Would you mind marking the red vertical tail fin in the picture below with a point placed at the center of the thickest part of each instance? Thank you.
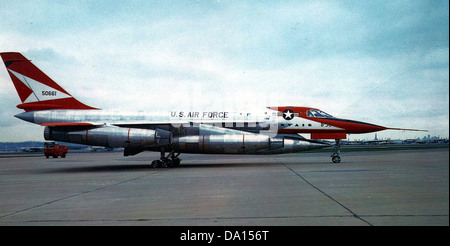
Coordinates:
(36, 90)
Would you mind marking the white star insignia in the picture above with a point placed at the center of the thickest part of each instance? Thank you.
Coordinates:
(288, 114)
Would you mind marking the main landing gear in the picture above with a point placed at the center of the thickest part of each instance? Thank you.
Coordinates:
(335, 156)
(171, 160)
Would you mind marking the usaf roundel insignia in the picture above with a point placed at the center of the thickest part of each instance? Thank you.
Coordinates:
(288, 114)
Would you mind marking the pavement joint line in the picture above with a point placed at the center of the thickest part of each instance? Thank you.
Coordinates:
(74, 195)
(324, 193)
(217, 218)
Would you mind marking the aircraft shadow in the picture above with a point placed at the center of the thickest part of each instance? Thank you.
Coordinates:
(244, 164)
(102, 168)
(147, 167)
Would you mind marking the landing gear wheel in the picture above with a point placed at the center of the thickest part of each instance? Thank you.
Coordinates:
(155, 164)
(337, 150)
(171, 160)
(165, 163)
(336, 159)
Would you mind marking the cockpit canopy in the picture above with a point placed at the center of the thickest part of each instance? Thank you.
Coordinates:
(318, 114)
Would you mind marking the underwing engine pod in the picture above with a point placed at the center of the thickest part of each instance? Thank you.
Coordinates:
(111, 137)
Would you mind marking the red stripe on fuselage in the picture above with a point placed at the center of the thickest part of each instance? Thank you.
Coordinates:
(349, 126)
(344, 125)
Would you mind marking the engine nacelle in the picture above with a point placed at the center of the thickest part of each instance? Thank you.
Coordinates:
(243, 144)
(222, 144)
(111, 136)
(293, 145)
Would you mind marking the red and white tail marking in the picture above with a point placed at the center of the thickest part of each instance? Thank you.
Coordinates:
(36, 90)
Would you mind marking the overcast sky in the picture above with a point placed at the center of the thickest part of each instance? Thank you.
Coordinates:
(383, 62)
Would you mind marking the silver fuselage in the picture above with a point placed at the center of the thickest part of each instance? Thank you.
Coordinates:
(220, 132)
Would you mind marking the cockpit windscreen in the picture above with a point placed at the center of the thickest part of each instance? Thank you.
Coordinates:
(318, 114)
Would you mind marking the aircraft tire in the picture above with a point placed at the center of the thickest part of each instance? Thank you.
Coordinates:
(155, 164)
(164, 164)
(336, 159)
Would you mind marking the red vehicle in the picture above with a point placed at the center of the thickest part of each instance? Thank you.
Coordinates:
(55, 150)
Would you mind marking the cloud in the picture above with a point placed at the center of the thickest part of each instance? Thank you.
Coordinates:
(372, 61)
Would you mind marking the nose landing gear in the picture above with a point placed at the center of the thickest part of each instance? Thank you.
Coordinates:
(335, 156)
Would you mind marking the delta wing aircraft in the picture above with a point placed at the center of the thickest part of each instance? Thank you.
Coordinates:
(271, 130)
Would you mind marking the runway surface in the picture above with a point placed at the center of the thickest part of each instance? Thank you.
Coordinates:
(404, 187)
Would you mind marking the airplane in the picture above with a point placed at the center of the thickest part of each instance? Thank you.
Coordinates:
(270, 130)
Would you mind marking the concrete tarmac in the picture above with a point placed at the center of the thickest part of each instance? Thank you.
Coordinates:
(380, 188)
